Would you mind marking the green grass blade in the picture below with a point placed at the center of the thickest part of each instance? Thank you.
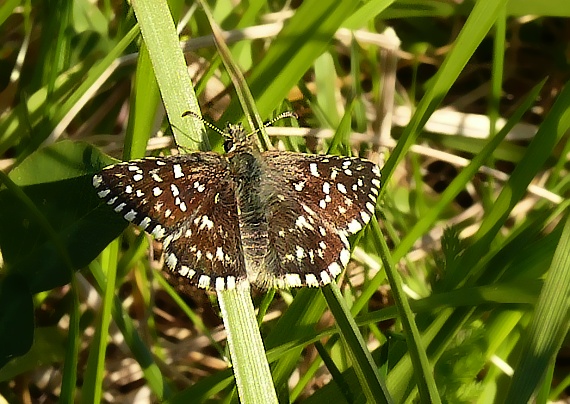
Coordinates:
(473, 32)
(303, 38)
(463, 178)
(249, 362)
(549, 325)
(421, 366)
(161, 39)
(370, 380)
(555, 125)
(133, 340)
(143, 108)
(93, 381)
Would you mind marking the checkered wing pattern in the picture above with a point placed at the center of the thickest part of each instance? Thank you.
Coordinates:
(314, 203)
(277, 219)
(188, 201)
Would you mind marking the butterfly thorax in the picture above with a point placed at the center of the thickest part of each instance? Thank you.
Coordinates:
(247, 171)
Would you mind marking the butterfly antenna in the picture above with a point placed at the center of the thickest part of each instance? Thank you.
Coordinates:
(282, 115)
(205, 122)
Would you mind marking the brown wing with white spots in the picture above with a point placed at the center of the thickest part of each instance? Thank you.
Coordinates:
(325, 199)
(188, 201)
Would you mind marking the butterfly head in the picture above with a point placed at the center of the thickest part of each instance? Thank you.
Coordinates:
(235, 138)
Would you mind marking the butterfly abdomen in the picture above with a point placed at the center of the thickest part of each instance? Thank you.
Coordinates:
(253, 225)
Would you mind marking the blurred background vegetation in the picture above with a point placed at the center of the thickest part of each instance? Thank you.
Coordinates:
(464, 105)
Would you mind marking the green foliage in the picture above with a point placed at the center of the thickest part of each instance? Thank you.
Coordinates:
(443, 301)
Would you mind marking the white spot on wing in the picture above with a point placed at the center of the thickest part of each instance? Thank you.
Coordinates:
(145, 222)
(97, 180)
(103, 194)
(354, 226)
(171, 261)
(167, 241)
(341, 188)
(314, 171)
(158, 232)
(335, 269)
(204, 281)
(308, 210)
(199, 187)
(325, 277)
(293, 280)
(302, 222)
(219, 254)
(206, 222)
(178, 171)
(137, 177)
(311, 280)
(130, 215)
(344, 257)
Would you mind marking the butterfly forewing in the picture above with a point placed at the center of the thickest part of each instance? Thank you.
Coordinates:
(342, 190)
(188, 201)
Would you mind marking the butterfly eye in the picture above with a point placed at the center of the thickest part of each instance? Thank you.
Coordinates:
(228, 144)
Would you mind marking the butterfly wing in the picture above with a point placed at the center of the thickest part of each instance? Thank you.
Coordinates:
(188, 201)
(314, 203)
